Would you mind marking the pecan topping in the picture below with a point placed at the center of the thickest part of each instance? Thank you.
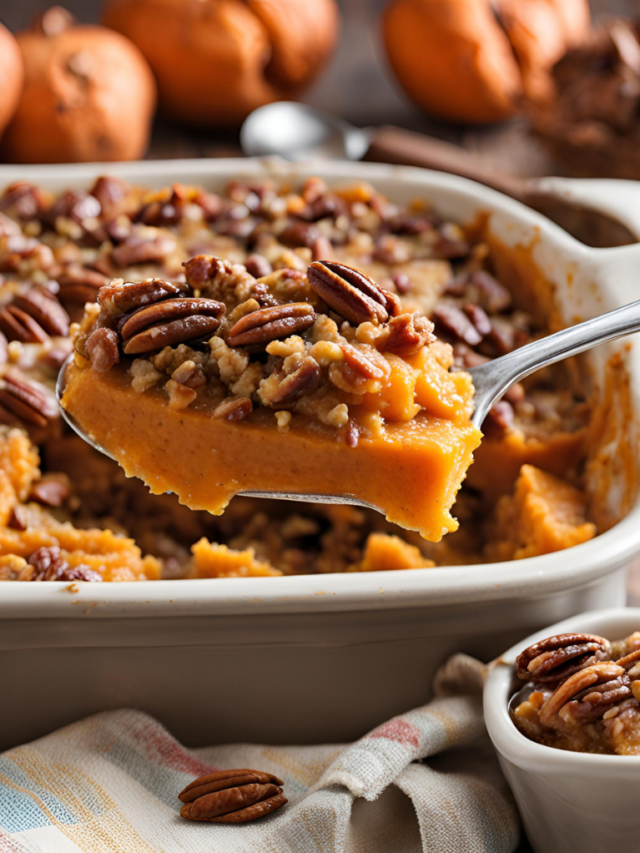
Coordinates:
(361, 364)
(258, 266)
(304, 379)
(233, 408)
(351, 293)
(499, 419)
(101, 348)
(630, 660)
(79, 284)
(170, 322)
(408, 333)
(51, 490)
(270, 324)
(29, 401)
(587, 694)
(17, 325)
(455, 322)
(43, 307)
(232, 796)
(556, 658)
(143, 249)
(48, 564)
(119, 296)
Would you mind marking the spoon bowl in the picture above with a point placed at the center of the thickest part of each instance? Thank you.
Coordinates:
(298, 132)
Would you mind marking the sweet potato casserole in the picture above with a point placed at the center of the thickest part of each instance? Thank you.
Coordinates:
(184, 304)
(584, 693)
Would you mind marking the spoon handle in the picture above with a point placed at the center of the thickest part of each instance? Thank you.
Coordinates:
(492, 379)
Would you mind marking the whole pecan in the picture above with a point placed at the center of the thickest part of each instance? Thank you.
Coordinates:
(170, 322)
(555, 658)
(29, 401)
(629, 661)
(232, 796)
(17, 325)
(351, 293)
(119, 296)
(43, 307)
(587, 694)
(270, 324)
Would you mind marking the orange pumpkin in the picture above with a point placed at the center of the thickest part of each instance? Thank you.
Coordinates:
(216, 60)
(88, 95)
(11, 76)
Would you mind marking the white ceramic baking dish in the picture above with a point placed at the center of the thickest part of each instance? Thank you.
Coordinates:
(568, 801)
(315, 658)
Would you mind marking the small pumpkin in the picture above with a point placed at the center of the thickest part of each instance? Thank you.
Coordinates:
(474, 60)
(216, 60)
(11, 76)
(88, 95)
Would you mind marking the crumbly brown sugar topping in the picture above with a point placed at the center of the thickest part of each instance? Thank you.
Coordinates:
(313, 343)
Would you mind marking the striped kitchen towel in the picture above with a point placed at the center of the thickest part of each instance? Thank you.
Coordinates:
(425, 781)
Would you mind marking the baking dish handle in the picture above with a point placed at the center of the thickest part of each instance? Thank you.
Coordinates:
(620, 199)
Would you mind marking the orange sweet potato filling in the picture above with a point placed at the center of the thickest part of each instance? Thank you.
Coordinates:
(415, 446)
(543, 515)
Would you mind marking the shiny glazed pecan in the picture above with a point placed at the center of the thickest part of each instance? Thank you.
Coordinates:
(270, 324)
(232, 796)
(556, 658)
(28, 401)
(351, 293)
(170, 322)
(452, 320)
(119, 297)
(587, 694)
(101, 348)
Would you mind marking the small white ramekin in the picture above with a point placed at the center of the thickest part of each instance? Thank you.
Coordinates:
(569, 801)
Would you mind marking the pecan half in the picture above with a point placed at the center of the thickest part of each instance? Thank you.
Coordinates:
(29, 401)
(555, 658)
(587, 694)
(270, 324)
(79, 284)
(119, 296)
(351, 293)
(17, 325)
(232, 796)
(143, 249)
(43, 307)
(450, 319)
(630, 660)
(101, 348)
(170, 322)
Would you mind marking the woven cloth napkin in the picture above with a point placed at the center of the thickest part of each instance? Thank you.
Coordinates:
(110, 783)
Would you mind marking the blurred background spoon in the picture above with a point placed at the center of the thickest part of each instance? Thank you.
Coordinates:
(298, 132)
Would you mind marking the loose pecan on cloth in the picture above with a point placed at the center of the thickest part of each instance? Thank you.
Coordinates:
(232, 796)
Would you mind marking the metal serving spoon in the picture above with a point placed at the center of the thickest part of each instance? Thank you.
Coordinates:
(298, 132)
(491, 380)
